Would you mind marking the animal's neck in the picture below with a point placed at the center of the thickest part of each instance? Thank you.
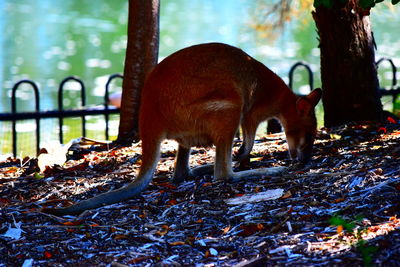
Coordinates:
(287, 112)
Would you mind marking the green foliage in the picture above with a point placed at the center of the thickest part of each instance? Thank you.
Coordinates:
(361, 245)
(366, 251)
(325, 3)
(328, 3)
(365, 4)
(337, 220)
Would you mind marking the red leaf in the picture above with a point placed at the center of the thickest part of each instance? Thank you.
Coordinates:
(11, 170)
(72, 223)
(207, 184)
(306, 217)
(251, 229)
(167, 185)
(4, 200)
(391, 120)
(382, 130)
(47, 255)
(172, 202)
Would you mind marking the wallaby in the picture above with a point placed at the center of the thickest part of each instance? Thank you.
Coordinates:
(200, 96)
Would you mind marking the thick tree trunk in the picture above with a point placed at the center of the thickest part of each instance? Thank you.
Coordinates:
(348, 70)
(141, 57)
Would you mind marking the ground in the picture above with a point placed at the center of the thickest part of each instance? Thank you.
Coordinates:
(339, 210)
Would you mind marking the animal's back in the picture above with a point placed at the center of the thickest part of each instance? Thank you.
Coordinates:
(200, 89)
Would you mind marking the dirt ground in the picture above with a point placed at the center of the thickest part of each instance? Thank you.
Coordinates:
(340, 210)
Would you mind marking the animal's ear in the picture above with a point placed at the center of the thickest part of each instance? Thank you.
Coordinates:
(305, 105)
(314, 96)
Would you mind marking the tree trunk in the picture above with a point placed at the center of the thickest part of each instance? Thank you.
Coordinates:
(141, 57)
(348, 70)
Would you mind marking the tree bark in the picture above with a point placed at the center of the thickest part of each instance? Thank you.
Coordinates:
(141, 57)
(348, 69)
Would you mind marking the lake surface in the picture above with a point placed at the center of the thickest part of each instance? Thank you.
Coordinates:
(48, 40)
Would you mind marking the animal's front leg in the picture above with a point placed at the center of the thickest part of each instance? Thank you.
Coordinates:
(249, 131)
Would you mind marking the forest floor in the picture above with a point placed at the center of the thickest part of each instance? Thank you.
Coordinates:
(340, 210)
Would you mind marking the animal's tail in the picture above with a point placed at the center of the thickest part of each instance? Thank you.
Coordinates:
(150, 155)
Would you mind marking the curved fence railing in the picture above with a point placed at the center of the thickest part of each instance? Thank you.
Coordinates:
(59, 113)
(14, 112)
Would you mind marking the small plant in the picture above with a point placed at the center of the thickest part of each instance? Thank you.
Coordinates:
(360, 244)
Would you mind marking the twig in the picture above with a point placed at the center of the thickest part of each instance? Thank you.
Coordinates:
(373, 188)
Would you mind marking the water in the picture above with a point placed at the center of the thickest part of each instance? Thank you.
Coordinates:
(48, 40)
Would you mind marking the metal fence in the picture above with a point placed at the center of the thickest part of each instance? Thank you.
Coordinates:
(393, 90)
(106, 110)
(60, 113)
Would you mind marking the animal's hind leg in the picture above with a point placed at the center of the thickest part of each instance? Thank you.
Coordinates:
(181, 164)
(223, 160)
(182, 170)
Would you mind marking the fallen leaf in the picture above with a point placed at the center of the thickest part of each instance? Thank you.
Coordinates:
(256, 159)
(120, 237)
(382, 130)
(213, 252)
(177, 243)
(338, 200)
(28, 263)
(14, 233)
(287, 195)
(38, 175)
(72, 223)
(4, 200)
(305, 217)
(391, 120)
(47, 255)
(226, 229)
(11, 170)
(167, 185)
(335, 136)
(172, 202)
(250, 229)
(54, 155)
(162, 232)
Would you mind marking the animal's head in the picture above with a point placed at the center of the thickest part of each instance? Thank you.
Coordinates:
(300, 133)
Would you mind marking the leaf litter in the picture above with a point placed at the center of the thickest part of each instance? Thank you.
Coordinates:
(341, 209)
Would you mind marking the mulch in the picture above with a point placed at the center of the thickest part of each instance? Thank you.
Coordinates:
(342, 209)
